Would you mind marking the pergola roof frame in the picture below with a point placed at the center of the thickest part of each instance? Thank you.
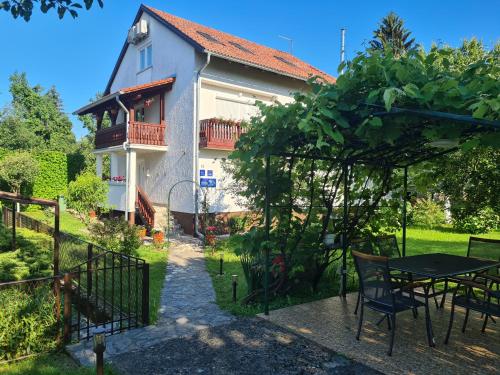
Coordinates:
(349, 162)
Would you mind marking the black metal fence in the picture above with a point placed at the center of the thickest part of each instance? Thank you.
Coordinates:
(110, 290)
(104, 288)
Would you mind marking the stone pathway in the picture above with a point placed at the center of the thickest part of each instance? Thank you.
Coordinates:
(187, 306)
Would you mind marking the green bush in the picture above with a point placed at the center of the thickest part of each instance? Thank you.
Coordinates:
(237, 224)
(427, 213)
(116, 235)
(484, 221)
(87, 193)
(27, 321)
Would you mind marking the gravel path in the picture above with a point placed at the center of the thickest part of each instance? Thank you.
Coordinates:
(187, 305)
(245, 346)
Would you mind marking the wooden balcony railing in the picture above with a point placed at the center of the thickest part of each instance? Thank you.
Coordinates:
(139, 133)
(145, 207)
(112, 136)
(219, 134)
(147, 134)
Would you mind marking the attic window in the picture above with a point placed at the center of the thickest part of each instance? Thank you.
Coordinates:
(240, 47)
(209, 37)
(283, 60)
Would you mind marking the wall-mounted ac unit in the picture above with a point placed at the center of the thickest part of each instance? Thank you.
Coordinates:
(138, 32)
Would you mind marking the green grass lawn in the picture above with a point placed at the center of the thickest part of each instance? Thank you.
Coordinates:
(419, 241)
(68, 222)
(50, 364)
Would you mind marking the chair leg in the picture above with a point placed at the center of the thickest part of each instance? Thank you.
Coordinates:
(465, 320)
(434, 297)
(393, 323)
(452, 315)
(484, 323)
(360, 323)
(428, 324)
(389, 325)
(357, 304)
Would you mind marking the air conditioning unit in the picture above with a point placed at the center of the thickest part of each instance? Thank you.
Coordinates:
(138, 32)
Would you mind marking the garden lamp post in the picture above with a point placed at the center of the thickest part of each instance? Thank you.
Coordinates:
(235, 286)
(99, 348)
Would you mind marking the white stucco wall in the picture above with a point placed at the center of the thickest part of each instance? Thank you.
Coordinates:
(173, 56)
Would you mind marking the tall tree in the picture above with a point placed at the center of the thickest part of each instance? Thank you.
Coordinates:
(37, 117)
(392, 34)
(24, 8)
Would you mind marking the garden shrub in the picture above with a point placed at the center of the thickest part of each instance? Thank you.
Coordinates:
(237, 224)
(87, 193)
(482, 222)
(116, 234)
(28, 324)
(427, 213)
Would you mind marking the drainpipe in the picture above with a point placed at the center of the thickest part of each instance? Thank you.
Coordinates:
(197, 144)
(127, 150)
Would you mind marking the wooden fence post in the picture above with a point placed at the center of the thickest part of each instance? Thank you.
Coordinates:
(145, 294)
(57, 239)
(67, 308)
(14, 245)
(57, 295)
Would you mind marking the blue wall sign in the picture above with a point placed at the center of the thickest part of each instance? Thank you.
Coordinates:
(208, 182)
(210, 173)
(202, 172)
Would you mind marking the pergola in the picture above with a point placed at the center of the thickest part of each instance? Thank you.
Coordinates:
(14, 199)
(397, 156)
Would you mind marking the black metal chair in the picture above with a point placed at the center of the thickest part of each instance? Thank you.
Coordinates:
(471, 301)
(379, 293)
(362, 245)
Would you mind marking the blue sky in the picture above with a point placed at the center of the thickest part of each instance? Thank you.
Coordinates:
(77, 56)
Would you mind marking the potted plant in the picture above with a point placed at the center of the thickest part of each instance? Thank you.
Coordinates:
(142, 232)
(92, 214)
(158, 237)
(210, 236)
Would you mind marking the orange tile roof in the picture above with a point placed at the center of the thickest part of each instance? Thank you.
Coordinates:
(241, 50)
(149, 85)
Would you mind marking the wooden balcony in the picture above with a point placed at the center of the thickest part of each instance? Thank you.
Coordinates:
(142, 133)
(219, 134)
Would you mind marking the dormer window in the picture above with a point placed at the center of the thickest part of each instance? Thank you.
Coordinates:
(145, 57)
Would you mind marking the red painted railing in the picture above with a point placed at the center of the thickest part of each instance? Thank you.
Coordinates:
(219, 134)
(112, 136)
(145, 207)
(139, 133)
(145, 133)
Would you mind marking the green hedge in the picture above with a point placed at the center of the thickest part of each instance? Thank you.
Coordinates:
(56, 170)
(52, 178)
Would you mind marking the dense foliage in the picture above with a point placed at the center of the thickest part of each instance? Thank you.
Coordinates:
(116, 234)
(35, 119)
(338, 125)
(52, 179)
(24, 8)
(27, 321)
(427, 213)
(18, 170)
(87, 193)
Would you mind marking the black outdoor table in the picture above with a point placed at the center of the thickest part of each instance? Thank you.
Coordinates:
(439, 266)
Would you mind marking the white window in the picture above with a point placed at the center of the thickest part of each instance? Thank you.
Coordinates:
(146, 57)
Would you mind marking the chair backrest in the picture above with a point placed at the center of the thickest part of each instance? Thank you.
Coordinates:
(485, 248)
(361, 245)
(373, 273)
(387, 246)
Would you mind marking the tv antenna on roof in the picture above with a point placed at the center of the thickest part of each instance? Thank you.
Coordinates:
(290, 40)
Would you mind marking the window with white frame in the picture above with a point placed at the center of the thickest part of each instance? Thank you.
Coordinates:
(145, 57)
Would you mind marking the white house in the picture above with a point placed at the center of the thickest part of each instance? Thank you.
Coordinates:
(175, 98)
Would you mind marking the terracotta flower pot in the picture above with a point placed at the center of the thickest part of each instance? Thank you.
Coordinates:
(142, 232)
(92, 214)
(158, 238)
(210, 239)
